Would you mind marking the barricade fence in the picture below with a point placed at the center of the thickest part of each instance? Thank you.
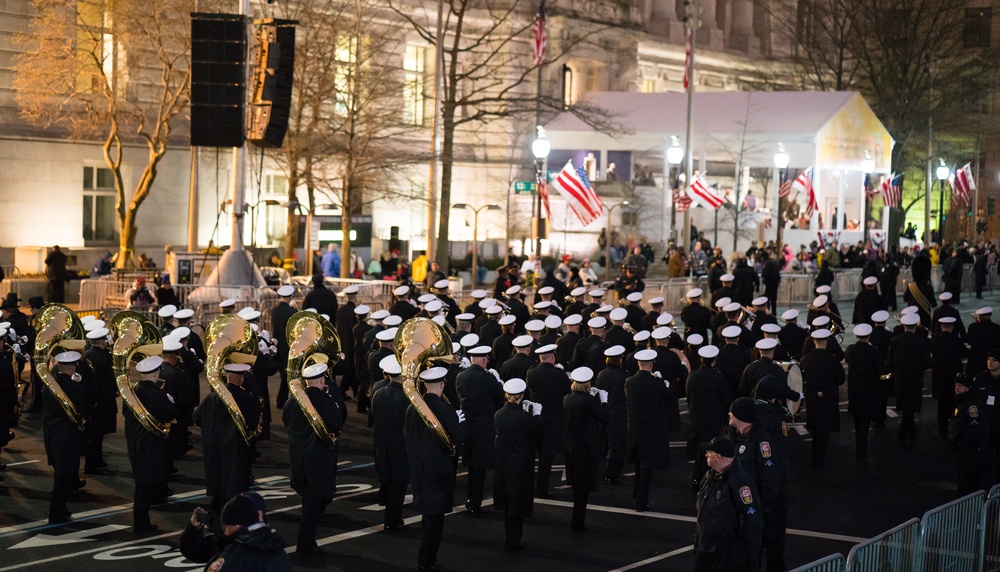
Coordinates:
(832, 563)
(891, 551)
(949, 537)
(988, 553)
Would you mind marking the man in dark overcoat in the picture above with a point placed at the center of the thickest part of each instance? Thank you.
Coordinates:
(652, 416)
(548, 385)
(822, 376)
(480, 395)
(910, 355)
(61, 434)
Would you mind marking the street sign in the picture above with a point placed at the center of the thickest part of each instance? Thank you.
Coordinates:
(524, 187)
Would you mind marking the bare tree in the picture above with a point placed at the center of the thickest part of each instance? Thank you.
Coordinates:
(115, 71)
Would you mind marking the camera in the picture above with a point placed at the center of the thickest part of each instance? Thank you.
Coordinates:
(203, 516)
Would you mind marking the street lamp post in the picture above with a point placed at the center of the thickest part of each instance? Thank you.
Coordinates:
(475, 232)
(867, 167)
(675, 154)
(781, 164)
(540, 148)
(942, 173)
(607, 267)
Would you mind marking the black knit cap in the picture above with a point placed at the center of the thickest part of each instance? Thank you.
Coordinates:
(994, 353)
(240, 511)
(744, 410)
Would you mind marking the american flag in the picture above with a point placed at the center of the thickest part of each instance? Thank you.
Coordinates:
(891, 190)
(687, 59)
(574, 186)
(681, 202)
(870, 190)
(704, 195)
(541, 36)
(963, 183)
(804, 184)
(542, 190)
(784, 185)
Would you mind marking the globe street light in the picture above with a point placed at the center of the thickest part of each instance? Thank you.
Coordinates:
(607, 267)
(942, 173)
(540, 148)
(675, 154)
(781, 164)
(475, 232)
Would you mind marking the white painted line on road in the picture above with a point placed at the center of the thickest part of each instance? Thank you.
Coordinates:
(642, 563)
(40, 540)
(891, 412)
(22, 463)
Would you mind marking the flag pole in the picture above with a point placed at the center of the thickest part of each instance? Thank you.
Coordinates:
(691, 22)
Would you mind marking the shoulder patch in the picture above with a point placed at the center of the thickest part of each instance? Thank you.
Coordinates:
(218, 563)
(746, 495)
(765, 449)
(743, 449)
(973, 411)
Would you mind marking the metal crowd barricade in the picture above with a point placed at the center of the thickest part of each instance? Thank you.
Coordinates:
(676, 288)
(832, 563)
(892, 551)
(795, 289)
(994, 491)
(989, 533)
(948, 535)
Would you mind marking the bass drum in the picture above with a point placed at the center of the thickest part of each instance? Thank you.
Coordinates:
(794, 378)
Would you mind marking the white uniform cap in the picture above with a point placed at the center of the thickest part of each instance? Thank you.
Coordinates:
(425, 298)
(553, 322)
(149, 365)
(580, 291)
(870, 281)
(465, 317)
(93, 325)
(880, 317)
(790, 314)
(727, 277)
(493, 310)
(352, 289)
(766, 344)
(362, 310)
(522, 341)
(731, 307)
(166, 311)
(664, 319)
(515, 386)
(286, 291)
(546, 349)
(507, 320)
(641, 336)
(91, 335)
(634, 297)
(84, 320)
(618, 314)
(542, 304)
(614, 351)
(402, 290)
(227, 303)
(984, 311)
(434, 374)
(820, 334)
(948, 320)
(534, 326)
(596, 323)
(732, 331)
(645, 355)
(236, 367)
(695, 339)
(487, 303)
(434, 306)
(909, 320)
(439, 320)
(656, 301)
(180, 333)
(380, 315)
(582, 375)
(825, 289)
(862, 330)
(909, 310)
(513, 290)
(469, 340)
(694, 293)
(546, 290)
(573, 320)
(249, 313)
(477, 294)
(442, 284)
(386, 335)
(3, 331)
(770, 328)
(390, 365)
(598, 293)
(479, 351)
(605, 309)
(821, 301)
(821, 321)
(68, 357)
(759, 301)
(456, 347)
(171, 345)
(661, 333)
(723, 302)
(392, 320)
(708, 352)
(945, 296)
(184, 313)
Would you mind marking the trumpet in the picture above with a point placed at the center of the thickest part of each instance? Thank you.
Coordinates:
(628, 328)
(746, 315)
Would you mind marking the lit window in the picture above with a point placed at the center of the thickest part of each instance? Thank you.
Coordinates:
(98, 204)
(648, 85)
(347, 57)
(413, 85)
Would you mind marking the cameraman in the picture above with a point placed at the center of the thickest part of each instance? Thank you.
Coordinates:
(246, 541)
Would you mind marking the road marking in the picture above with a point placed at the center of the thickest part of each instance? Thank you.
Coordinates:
(22, 463)
(890, 412)
(642, 563)
(68, 538)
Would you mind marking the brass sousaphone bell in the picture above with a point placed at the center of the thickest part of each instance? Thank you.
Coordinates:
(420, 343)
(58, 328)
(136, 337)
(230, 339)
(311, 339)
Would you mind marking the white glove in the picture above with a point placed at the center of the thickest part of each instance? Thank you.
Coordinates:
(657, 374)
(76, 377)
(265, 336)
(464, 363)
(560, 366)
(496, 375)
(602, 395)
(263, 347)
(274, 349)
(194, 353)
(526, 405)
(801, 396)
(594, 391)
(17, 348)
(170, 397)
(461, 416)
(666, 383)
(536, 409)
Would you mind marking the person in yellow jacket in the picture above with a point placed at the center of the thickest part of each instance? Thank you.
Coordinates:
(418, 270)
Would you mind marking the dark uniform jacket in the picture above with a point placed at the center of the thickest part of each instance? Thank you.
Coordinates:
(520, 311)
(586, 350)
(864, 386)
(867, 303)
(565, 348)
(730, 521)
(345, 320)
(226, 454)
(549, 385)
(947, 353)
(147, 452)
(731, 362)
(323, 299)
(709, 398)
(503, 349)
(313, 465)
(8, 395)
(60, 434)
(652, 415)
(584, 414)
(946, 309)
(697, 319)
(432, 469)
(969, 429)
(480, 396)
(928, 293)
(615, 431)
(260, 550)
(404, 309)
(279, 320)
(389, 411)
(517, 366)
(755, 372)
(618, 336)
(518, 435)
(822, 376)
(489, 332)
(910, 356)
(374, 358)
(105, 415)
(792, 337)
(670, 366)
(361, 330)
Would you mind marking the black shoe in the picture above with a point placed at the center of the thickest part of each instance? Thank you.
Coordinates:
(309, 550)
(473, 509)
(144, 528)
(543, 495)
(3, 466)
(643, 508)
(80, 483)
(60, 519)
(393, 527)
(610, 481)
(96, 471)
(101, 465)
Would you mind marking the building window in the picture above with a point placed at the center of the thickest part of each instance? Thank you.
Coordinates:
(343, 82)
(98, 205)
(978, 22)
(567, 86)
(648, 85)
(413, 85)
(274, 217)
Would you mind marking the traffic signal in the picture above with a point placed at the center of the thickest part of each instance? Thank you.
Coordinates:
(990, 206)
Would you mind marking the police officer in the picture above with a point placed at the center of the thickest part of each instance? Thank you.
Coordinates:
(148, 451)
(388, 411)
(709, 398)
(864, 386)
(987, 383)
(547, 385)
(519, 432)
(614, 434)
(822, 376)
(652, 416)
(696, 317)
(480, 395)
(969, 432)
(910, 356)
(947, 353)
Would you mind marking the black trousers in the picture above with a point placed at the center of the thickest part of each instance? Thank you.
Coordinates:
(975, 471)
(862, 426)
(772, 299)
(94, 448)
(431, 529)
(580, 499)
(142, 499)
(542, 478)
(706, 561)
(282, 387)
(57, 291)
(62, 484)
(349, 379)
(821, 441)
(312, 508)
(643, 480)
(394, 496)
(513, 528)
(477, 484)
(907, 428)
(613, 468)
(774, 534)
(945, 409)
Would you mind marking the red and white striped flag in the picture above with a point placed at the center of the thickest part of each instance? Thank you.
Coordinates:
(891, 190)
(804, 184)
(544, 191)
(963, 184)
(541, 36)
(575, 187)
(681, 202)
(785, 185)
(687, 59)
(704, 195)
